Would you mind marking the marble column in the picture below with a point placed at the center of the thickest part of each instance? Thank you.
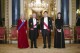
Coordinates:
(7, 19)
(10, 13)
(15, 11)
(21, 7)
(65, 11)
(70, 13)
(74, 18)
(58, 5)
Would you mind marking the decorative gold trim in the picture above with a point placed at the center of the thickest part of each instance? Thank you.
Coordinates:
(66, 25)
(7, 18)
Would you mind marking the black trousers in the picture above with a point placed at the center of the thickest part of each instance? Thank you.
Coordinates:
(46, 34)
(34, 37)
(33, 42)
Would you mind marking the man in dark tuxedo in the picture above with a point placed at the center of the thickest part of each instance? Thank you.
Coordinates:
(33, 30)
(46, 27)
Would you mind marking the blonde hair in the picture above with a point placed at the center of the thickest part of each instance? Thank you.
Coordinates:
(22, 15)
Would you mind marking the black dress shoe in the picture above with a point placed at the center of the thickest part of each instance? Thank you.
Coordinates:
(44, 47)
(31, 47)
(35, 47)
(49, 46)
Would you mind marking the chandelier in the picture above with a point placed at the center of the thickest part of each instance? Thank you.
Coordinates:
(38, 5)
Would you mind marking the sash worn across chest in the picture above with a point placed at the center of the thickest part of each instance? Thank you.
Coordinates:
(45, 23)
(34, 25)
(46, 26)
(21, 25)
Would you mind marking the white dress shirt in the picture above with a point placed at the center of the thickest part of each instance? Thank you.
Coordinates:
(34, 22)
(46, 21)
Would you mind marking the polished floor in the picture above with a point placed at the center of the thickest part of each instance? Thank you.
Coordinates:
(12, 48)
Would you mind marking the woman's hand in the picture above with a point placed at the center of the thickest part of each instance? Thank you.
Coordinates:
(17, 31)
(26, 31)
(59, 30)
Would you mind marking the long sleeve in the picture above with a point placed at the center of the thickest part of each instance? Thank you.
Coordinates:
(29, 23)
(26, 24)
(56, 24)
(62, 23)
(41, 24)
(17, 24)
(59, 23)
(51, 24)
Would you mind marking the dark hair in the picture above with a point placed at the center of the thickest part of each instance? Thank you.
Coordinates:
(58, 14)
(45, 11)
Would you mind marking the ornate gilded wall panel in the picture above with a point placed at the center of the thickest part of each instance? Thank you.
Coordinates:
(7, 17)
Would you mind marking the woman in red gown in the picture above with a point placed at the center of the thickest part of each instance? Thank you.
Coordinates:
(22, 33)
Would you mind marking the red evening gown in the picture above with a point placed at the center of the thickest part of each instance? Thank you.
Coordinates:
(22, 35)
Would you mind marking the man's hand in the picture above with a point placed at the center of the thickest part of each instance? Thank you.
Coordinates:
(32, 29)
(48, 29)
(40, 30)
